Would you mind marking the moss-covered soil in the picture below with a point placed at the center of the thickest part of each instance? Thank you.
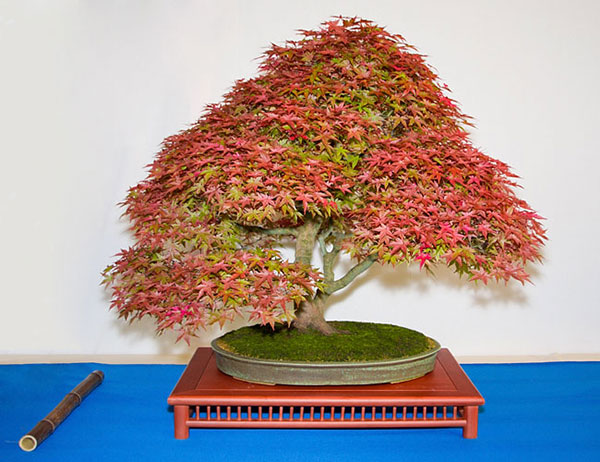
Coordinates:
(361, 341)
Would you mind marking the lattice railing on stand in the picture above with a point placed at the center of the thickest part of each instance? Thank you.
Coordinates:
(321, 416)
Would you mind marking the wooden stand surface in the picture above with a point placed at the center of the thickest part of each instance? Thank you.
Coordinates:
(205, 397)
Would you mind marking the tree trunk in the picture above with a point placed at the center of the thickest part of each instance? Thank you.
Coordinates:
(309, 315)
(305, 240)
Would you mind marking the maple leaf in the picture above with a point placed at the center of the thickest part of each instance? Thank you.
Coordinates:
(423, 258)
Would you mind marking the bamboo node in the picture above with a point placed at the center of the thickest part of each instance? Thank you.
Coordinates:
(76, 394)
(51, 424)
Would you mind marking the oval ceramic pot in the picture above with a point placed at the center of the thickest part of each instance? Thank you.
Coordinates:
(272, 372)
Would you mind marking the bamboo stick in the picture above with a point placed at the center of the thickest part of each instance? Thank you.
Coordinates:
(47, 425)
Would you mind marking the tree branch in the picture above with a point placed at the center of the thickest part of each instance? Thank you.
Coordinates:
(329, 256)
(274, 231)
(322, 245)
(328, 264)
(357, 269)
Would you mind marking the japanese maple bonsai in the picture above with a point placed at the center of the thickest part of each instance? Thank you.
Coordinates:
(346, 142)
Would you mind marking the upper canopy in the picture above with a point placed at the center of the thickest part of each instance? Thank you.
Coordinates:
(350, 126)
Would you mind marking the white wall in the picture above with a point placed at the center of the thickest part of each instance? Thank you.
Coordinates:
(89, 89)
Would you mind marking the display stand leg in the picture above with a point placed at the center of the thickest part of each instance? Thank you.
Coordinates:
(182, 414)
(471, 415)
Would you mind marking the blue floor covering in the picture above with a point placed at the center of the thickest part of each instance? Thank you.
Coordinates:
(548, 411)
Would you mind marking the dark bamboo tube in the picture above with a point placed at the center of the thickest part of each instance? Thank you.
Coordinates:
(47, 425)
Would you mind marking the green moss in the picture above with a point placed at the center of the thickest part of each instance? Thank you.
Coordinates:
(361, 341)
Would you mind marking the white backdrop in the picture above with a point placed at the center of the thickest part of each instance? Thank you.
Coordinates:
(89, 89)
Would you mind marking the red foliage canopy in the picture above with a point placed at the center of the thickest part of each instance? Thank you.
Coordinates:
(346, 127)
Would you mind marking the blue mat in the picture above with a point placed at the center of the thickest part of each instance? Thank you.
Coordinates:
(547, 411)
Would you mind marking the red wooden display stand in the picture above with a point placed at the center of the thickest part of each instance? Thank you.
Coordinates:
(205, 397)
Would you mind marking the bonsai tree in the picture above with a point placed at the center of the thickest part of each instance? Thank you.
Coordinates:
(346, 142)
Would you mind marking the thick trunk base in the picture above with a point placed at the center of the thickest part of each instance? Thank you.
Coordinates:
(310, 316)
(321, 326)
